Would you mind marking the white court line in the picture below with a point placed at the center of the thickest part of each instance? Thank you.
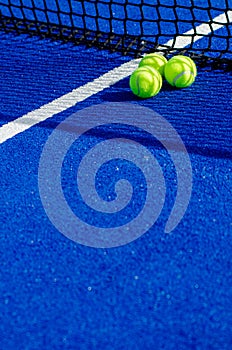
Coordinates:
(108, 79)
(200, 31)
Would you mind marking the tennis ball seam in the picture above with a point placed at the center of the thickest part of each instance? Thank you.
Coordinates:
(189, 62)
(156, 76)
(137, 80)
(137, 84)
(181, 75)
(154, 82)
(180, 71)
(157, 61)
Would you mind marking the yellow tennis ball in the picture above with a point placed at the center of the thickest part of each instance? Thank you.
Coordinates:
(145, 82)
(180, 71)
(154, 60)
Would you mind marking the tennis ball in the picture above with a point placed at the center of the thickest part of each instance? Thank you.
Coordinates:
(180, 71)
(145, 82)
(154, 60)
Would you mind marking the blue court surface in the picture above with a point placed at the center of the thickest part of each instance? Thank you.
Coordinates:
(159, 291)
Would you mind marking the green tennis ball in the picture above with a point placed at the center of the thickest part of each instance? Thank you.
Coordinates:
(180, 71)
(154, 60)
(145, 82)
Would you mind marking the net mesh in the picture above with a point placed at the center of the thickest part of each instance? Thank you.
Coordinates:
(133, 27)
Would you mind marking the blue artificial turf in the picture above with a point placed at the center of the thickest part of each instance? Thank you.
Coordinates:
(158, 292)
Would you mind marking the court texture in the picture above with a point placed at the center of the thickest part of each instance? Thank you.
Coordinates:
(157, 288)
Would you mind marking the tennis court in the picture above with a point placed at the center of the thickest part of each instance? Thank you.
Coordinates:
(65, 69)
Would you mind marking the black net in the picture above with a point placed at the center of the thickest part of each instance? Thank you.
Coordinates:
(133, 27)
